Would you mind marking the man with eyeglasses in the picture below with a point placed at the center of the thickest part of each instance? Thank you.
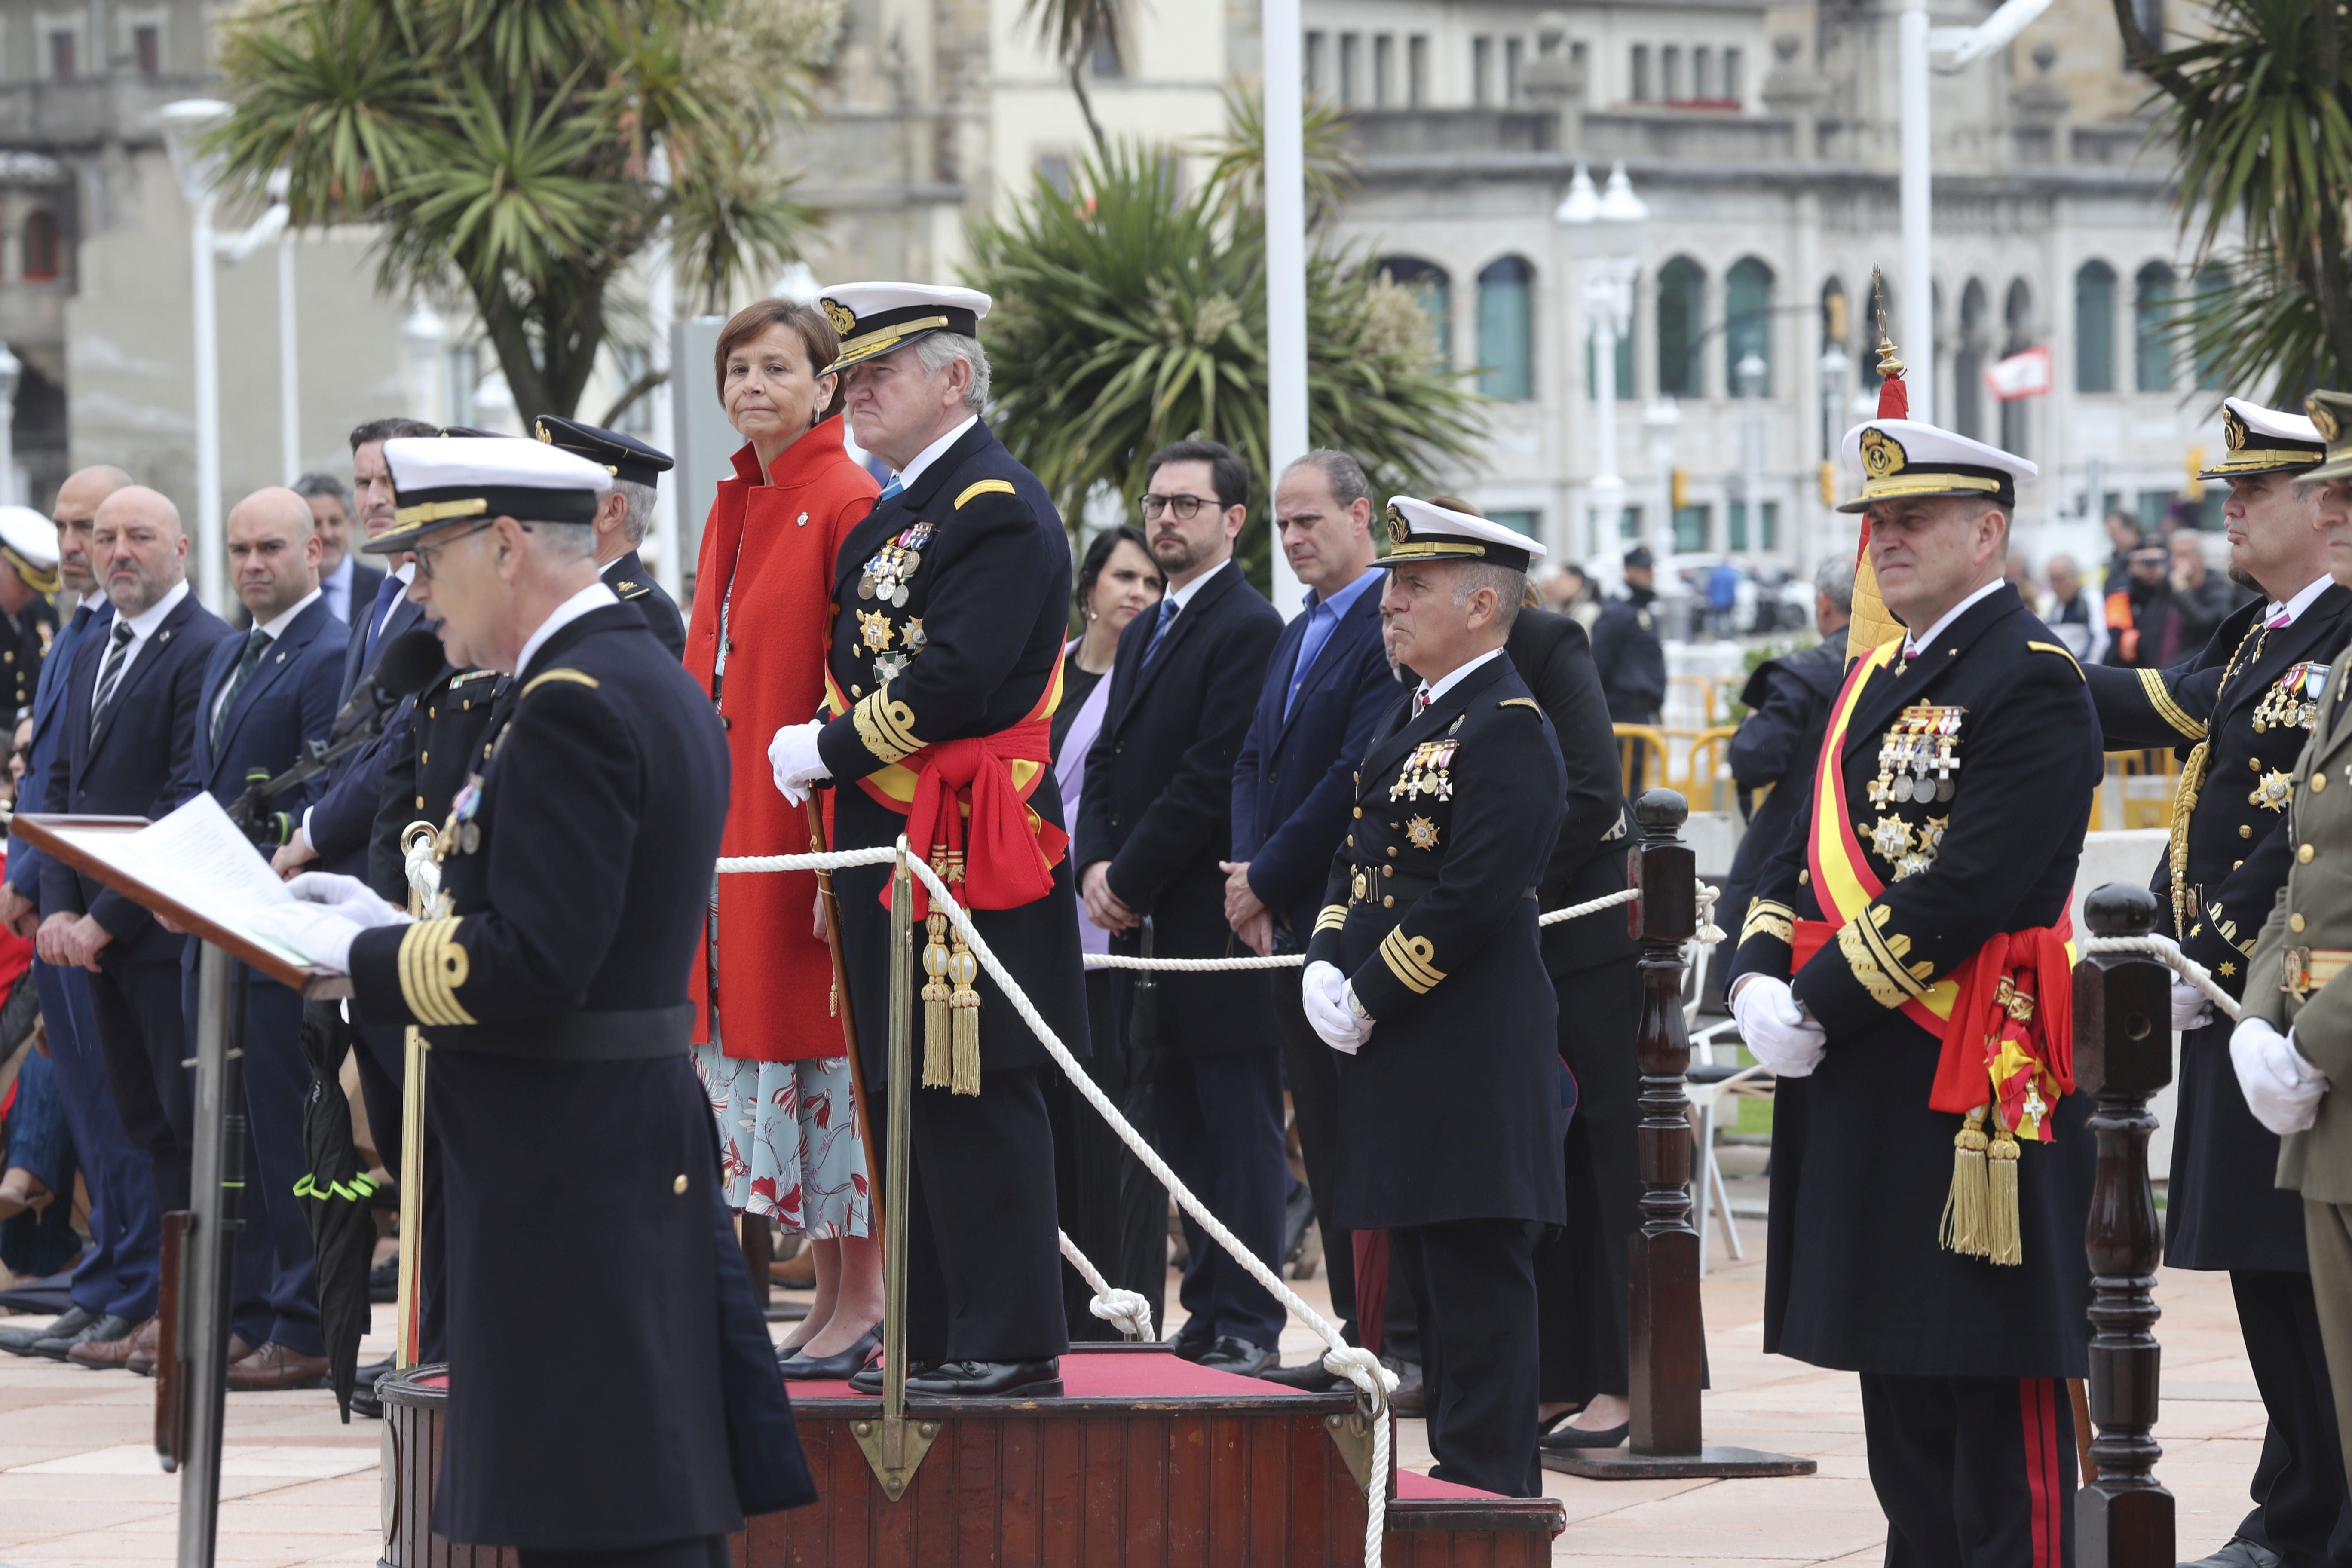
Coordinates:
(1155, 833)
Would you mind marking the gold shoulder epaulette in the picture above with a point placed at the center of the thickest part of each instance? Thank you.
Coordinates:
(631, 590)
(2061, 652)
(576, 676)
(985, 488)
(1520, 702)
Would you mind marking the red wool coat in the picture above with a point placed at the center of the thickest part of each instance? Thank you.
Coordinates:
(776, 543)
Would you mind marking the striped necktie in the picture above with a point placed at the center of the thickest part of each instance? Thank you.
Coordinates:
(256, 646)
(117, 654)
(1160, 632)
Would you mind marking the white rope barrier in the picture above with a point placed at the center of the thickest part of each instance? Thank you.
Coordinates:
(1126, 1310)
(2168, 952)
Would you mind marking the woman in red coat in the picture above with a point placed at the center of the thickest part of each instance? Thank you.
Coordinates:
(779, 1079)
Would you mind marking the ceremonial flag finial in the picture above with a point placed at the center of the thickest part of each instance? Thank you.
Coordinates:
(1894, 397)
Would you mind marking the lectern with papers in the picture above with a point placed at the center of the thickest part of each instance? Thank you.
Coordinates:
(197, 872)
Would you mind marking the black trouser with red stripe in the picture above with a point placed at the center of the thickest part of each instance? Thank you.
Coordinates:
(1972, 1472)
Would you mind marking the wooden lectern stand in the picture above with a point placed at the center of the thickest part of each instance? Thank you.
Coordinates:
(191, 1349)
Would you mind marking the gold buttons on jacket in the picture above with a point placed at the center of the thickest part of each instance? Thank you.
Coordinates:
(1803, 878)
(2294, 922)
(1388, 870)
(1358, 810)
(1388, 903)
(678, 1186)
(2304, 853)
(2318, 782)
(2246, 831)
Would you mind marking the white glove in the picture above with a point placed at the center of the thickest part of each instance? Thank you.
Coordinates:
(1775, 1029)
(2281, 1087)
(319, 934)
(2191, 1008)
(348, 897)
(792, 755)
(1331, 1008)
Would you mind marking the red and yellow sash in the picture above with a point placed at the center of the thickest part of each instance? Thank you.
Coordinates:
(2005, 1014)
(1004, 853)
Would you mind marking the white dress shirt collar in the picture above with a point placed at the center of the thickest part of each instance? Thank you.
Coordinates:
(1454, 678)
(932, 454)
(275, 627)
(1914, 646)
(143, 625)
(1183, 596)
(2293, 609)
(594, 596)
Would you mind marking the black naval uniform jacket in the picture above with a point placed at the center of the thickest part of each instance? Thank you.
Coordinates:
(2250, 695)
(571, 1123)
(25, 641)
(1554, 658)
(1855, 1278)
(444, 741)
(1158, 803)
(986, 613)
(1778, 743)
(633, 584)
(1450, 1110)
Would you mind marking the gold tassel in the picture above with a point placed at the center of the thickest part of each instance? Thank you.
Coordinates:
(2184, 802)
(964, 1003)
(935, 1002)
(1962, 1227)
(2005, 1244)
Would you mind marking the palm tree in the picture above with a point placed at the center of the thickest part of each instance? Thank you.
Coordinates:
(1075, 30)
(1127, 317)
(505, 148)
(2260, 112)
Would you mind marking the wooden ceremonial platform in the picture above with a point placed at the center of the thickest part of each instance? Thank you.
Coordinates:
(1147, 1461)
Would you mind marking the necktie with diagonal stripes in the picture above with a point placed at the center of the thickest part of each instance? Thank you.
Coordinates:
(117, 653)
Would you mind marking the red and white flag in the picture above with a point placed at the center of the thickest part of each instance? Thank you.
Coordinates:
(2021, 374)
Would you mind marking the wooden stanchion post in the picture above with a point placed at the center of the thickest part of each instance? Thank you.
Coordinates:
(2122, 1054)
(1668, 1338)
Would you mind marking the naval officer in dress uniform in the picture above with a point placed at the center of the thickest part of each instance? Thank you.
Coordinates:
(623, 517)
(1929, 1194)
(2239, 710)
(579, 859)
(1426, 971)
(952, 601)
(29, 602)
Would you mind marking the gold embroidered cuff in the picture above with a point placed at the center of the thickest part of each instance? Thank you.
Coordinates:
(1765, 918)
(2159, 697)
(1407, 959)
(885, 725)
(1865, 968)
(432, 965)
(1331, 918)
(1890, 949)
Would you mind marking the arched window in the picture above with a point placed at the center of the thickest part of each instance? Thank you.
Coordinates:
(1747, 323)
(2017, 322)
(2095, 328)
(40, 245)
(1507, 331)
(2152, 327)
(1682, 294)
(1969, 364)
(1433, 289)
(2212, 284)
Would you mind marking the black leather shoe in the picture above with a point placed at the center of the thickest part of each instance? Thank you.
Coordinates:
(18, 1339)
(990, 1380)
(870, 1379)
(101, 1331)
(2238, 1552)
(1308, 1376)
(1560, 1437)
(364, 1400)
(1406, 1399)
(1192, 1341)
(1235, 1354)
(802, 1367)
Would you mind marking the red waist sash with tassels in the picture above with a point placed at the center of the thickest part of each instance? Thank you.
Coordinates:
(1005, 855)
(2005, 1015)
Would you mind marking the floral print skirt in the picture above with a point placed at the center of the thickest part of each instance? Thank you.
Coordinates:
(788, 1144)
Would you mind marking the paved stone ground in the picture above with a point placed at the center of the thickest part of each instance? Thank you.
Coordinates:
(78, 1482)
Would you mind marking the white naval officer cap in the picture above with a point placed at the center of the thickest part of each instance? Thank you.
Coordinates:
(2264, 441)
(1419, 530)
(875, 319)
(443, 479)
(1899, 458)
(28, 541)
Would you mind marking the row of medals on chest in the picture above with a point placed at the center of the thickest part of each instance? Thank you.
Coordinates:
(1917, 760)
(884, 579)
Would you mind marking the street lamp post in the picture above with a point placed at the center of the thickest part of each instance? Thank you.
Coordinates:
(11, 373)
(1661, 418)
(1284, 118)
(1607, 230)
(184, 123)
(1752, 371)
(289, 377)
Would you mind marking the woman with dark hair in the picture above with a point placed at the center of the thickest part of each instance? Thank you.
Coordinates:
(1116, 1212)
(779, 1079)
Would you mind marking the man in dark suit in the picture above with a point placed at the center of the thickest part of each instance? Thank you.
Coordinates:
(331, 833)
(2240, 709)
(1425, 971)
(623, 516)
(1154, 830)
(1326, 686)
(131, 716)
(347, 583)
(114, 1285)
(264, 695)
(1788, 703)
